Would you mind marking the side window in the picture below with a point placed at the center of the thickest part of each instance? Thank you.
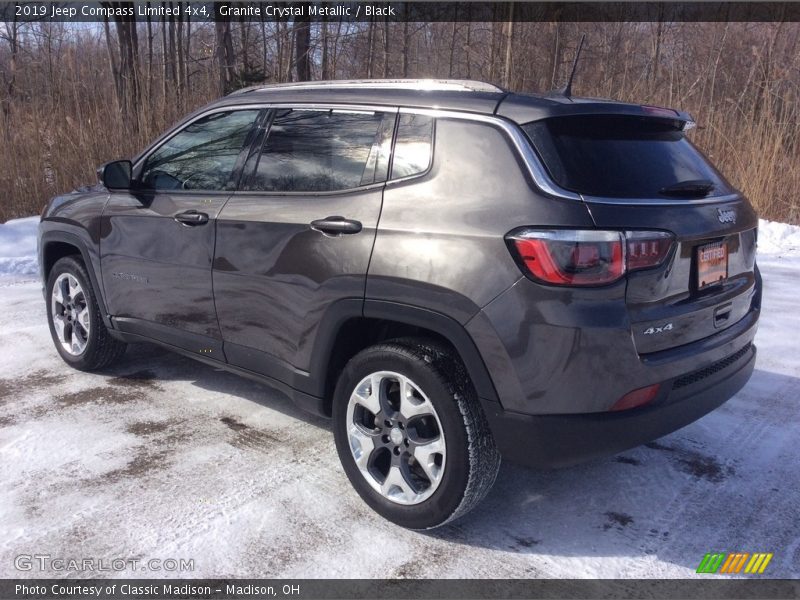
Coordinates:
(320, 151)
(413, 146)
(201, 156)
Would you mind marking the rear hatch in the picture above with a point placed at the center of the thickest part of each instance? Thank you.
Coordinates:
(640, 172)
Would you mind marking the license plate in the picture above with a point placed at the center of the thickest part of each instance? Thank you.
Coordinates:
(712, 264)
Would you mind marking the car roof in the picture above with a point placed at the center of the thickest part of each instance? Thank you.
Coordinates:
(443, 94)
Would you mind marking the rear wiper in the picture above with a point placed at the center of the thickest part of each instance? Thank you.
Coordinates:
(692, 187)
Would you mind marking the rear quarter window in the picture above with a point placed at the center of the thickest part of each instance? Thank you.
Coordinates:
(413, 145)
(620, 156)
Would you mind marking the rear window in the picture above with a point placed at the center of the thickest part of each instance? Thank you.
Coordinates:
(621, 156)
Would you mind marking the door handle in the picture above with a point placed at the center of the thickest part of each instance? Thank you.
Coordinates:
(191, 218)
(336, 225)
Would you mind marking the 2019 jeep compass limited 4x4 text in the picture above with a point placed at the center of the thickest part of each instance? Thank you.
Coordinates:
(452, 272)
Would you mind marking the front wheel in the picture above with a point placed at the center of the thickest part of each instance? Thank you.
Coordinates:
(76, 325)
(411, 435)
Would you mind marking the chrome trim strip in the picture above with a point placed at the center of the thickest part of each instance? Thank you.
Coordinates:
(168, 135)
(542, 179)
(461, 85)
(535, 167)
(257, 106)
(331, 106)
(664, 201)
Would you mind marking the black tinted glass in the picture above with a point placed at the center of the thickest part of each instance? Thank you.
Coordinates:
(201, 156)
(318, 151)
(620, 156)
(412, 149)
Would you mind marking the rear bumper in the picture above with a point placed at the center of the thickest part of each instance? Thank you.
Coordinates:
(561, 440)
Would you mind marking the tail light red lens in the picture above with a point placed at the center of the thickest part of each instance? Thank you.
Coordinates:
(587, 257)
(646, 249)
(572, 257)
(636, 398)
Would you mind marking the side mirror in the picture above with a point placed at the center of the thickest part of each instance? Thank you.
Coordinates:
(116, 175)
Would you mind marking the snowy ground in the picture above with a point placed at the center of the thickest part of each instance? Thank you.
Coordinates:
(167, 458)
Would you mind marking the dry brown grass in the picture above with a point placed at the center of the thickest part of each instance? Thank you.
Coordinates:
(740, 81)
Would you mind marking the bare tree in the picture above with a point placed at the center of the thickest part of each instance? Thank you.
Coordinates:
(10, 75)
(226, 58)
(302, 47)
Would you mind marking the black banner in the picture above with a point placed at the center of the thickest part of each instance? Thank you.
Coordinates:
(324, 589)
(406, 11)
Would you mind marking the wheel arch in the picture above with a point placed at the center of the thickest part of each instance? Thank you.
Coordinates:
(55, 245)
(350, 326)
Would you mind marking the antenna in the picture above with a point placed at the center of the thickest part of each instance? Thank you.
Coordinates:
(567, 89)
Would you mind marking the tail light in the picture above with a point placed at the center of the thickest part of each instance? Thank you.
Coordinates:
(586, 257)
(647, 249)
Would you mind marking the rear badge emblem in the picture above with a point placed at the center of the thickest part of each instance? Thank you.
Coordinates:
(726, 215)
(662, 329)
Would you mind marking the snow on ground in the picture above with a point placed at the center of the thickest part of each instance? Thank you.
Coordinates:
(162, 457)
(18, 248)
(778, 238)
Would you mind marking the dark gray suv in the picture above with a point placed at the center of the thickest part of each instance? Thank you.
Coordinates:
(451, 271)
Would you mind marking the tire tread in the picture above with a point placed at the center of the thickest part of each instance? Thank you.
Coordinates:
(484, 457)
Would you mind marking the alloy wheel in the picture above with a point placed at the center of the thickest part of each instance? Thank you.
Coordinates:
(396, 437)
(70, 311)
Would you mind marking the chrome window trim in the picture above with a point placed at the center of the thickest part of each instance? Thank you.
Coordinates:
(167, 136)
(536, 169)
(543, 180)
(353, 108)
(256, 106)
(664, 201)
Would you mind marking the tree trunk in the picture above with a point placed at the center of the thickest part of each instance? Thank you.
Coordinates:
(302, 48)
(453, 33)
(164, 63)
(509, 43)
(181, 59)
(149, 59)
(370, 47)
(406, 38)
(225, 55)
(187, 55)
(112, 61)
(469, 41)
(12, 29)
(326, 68)
(386, 53)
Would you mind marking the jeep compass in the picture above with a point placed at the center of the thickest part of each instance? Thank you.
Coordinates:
(452, 272)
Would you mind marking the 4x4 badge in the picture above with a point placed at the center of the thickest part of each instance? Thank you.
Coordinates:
(662, 329)
(726, 215)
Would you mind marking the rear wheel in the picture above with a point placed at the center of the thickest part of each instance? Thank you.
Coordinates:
(411, 435)
(76, 325)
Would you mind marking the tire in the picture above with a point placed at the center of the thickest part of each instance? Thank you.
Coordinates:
(81, 337)
(446, 461)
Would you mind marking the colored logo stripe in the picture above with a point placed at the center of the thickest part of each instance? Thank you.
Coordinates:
(734, 562)
(758, 563)
(710, 563)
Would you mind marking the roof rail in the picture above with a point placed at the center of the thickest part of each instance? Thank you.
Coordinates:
(458, 85)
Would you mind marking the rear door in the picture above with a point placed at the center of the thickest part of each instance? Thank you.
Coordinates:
(157, 240)
(642, 173)
(298, 236)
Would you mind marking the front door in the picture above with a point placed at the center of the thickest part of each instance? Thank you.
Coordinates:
(298, 237)
(157, 240)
